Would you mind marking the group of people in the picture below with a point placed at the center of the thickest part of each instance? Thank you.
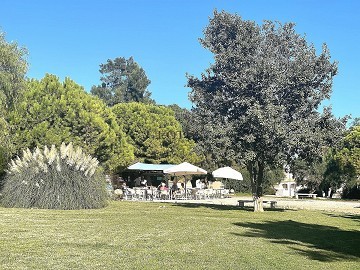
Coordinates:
(200, 184)
(176, 187)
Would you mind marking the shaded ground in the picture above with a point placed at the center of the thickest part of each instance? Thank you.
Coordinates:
(351, 207)
(317, 242)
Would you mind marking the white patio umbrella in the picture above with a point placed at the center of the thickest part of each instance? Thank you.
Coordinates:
(183, 169)
(228, 173)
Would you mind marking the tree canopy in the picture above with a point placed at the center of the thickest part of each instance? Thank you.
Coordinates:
(123, 80)
(52, 112)
(349, 154)
(13, 66)
(265, 85)
(155, 133)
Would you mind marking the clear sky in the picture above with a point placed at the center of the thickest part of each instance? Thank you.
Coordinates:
(70, 38)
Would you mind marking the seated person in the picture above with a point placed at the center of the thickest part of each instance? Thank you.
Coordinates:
(143, 183)
(162, 186)
(198, 184)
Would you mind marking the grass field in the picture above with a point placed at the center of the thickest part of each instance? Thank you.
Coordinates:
(144, 235)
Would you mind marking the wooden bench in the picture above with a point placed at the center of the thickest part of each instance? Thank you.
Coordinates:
(242, 203)
(297, 195)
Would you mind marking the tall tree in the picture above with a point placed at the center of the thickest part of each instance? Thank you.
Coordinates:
(266, 85)
(52, 112)
(155, 133)
(13, 66)
(123, 80)
(215, 147)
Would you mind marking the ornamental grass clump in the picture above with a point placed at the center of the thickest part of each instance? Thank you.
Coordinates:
(52, 179)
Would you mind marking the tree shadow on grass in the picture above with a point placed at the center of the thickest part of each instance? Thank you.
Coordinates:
(317, 242)
(348, 216)
(224, 207)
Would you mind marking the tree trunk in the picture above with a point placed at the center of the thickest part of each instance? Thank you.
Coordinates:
(258, 204)
(256, 170)
(329, 193)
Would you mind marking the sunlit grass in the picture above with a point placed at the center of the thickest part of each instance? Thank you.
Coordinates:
(146, 235)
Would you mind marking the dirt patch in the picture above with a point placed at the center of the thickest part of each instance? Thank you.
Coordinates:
(351, 207)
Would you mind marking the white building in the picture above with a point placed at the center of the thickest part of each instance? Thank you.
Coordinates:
(287, 187)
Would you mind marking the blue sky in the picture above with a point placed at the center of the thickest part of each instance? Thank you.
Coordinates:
(71, 38)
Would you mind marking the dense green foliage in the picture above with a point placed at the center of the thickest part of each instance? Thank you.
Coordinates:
(187, 120)
(138, 235)
(3, 164)
(155, 133)
(52, 179)
(4, 147)
(346, 164)
(310, 175)
(13, 67)
(262, 94)
(52, 112)
(123, 80)
(349, 154)
(338, 168)
(212, 142)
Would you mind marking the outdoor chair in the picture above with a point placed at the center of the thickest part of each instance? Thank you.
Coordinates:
(129, 194)
(140, 194)
(226, 193)
(201, 194)
(152, 193)
(209, 193)
(164, 194)
(179, 194)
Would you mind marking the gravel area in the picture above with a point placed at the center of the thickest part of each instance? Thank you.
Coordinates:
(350, 207)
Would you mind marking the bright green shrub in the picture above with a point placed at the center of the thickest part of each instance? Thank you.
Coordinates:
(155, 133)
(65, 179)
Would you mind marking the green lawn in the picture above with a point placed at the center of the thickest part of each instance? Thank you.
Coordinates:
(145, 235)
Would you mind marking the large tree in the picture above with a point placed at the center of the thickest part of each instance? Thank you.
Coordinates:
(265, 85)
(13, 66)
(52, 112)
(122, 80)
(155, 133)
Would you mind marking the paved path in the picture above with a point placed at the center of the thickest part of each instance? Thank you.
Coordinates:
(352, 207)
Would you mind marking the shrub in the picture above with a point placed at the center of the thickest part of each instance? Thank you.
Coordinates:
(351, 191)
(3, 162)
(52, 179)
